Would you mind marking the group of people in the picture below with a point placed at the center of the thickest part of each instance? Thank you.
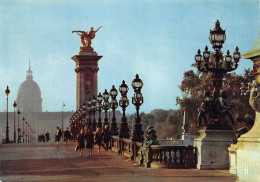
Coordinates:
(43, 138)
(100, 137)
(58, 135)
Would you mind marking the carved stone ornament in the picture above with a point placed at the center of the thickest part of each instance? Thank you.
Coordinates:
(254, 99)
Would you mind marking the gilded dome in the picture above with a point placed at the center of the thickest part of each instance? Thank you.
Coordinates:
(29, 95)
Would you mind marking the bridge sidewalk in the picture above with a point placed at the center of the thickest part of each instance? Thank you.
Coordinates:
(47, 162)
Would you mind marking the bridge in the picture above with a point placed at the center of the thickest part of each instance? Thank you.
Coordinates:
(49, 162)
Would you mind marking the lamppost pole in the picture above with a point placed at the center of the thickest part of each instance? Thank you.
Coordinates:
(124, 102)
(94, 107)
(14, 122)
(18, 129)
(99, 108)
(23, 129)
(106, 106)
(7, 91)
(26, 125)
(137, 100)
(63, 105)
(114, 105)
(89, 110)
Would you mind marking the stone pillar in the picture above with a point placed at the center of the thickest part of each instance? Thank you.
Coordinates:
(86, 69)
(248, 146)
(212, 148)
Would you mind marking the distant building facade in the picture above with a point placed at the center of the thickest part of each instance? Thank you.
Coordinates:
(29, 102)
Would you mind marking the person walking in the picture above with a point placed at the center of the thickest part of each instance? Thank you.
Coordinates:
(67, 135)
(98, 138)
(81, 141)
(47, 136)
(57, 135)
(90, 141)
(106, 136)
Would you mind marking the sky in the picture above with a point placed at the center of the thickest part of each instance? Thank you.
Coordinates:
(155, 39)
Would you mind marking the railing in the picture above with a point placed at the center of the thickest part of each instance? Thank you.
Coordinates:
(156, 156)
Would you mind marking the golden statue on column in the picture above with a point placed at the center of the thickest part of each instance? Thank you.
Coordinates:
(86, 39)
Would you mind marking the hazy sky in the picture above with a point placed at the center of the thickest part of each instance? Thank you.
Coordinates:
(156, 39)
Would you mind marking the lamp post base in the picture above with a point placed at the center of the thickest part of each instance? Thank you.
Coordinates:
(212, 148)
(138, 133)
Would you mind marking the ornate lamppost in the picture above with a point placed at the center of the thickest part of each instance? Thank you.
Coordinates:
(124, 102)
(80, 112)
(26, 126)
(106, 106)
(89, 111)
(114, 105)
(93, 108)
(137, 100)
(218, 65)
(14, 122)
(19, 129)
(7, 91)
(63, 105)
(28, 135)
(99, 109)
(23, 129)
(84, 107)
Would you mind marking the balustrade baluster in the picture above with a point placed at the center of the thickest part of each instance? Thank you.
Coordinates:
(164, 157)
(182, 155)
(170, 156)
(175, 158)
(160, 156)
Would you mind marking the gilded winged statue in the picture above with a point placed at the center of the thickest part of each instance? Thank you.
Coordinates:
(87, 36)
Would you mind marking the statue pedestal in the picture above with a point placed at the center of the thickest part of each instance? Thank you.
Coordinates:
(248, 153)
(212, 148)
(86, 69)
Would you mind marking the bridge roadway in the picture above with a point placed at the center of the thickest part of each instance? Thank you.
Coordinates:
(47, 162)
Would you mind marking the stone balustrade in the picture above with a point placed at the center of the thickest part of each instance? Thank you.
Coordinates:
(157, 156)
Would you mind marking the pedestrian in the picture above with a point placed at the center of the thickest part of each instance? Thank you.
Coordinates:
(98, 138)
(47, 136)
(81, 141)
(67, 135)
(57, 135)
(60, 133)
(90, 141)
(106, 137)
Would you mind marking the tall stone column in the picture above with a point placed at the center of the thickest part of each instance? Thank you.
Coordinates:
(86, 70)
(248, 146)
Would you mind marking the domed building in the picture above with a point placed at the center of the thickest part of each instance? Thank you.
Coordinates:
(29, 95)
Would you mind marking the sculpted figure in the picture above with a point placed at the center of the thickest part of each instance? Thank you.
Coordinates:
(151, 139)
(254, 99)
(223, 108)
(87, 36)
(205, 108)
